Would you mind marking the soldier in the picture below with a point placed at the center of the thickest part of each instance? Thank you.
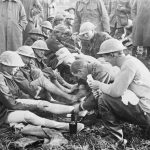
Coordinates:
(119, 12)
(90, 39)
(127, 98)
(101, 72)
(39, 48)
(13, 22)
(46, 28)
(32, 8)
(34, 35)
(93, 11)
(59, 19)
(15, 109)
(58, 40)
(69, 19)
(26, 74)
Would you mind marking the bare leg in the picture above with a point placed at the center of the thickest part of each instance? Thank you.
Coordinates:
(31, 118)
(50, 87)
(47, 106)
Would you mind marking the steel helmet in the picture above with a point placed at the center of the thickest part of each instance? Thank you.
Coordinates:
(36, 31)
(47, 25)
(86, 27)
(40, 44)
(26, 51)
(111, 45)
(59, 17)
(11, 58)
(51, 16)
(61, 28)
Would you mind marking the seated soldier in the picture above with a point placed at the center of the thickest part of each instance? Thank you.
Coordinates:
(14, 106)
(34, 35)
(26, 74)
(39, 48)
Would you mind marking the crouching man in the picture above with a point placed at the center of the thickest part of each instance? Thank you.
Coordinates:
(14, 105)
(128, 97)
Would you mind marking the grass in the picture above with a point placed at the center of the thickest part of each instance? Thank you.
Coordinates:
(92, 138)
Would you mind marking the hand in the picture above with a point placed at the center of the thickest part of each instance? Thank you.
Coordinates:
(36, 73)
(94, 85)
(95, 93)
(74, 87)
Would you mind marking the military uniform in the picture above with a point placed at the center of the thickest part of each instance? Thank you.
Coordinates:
(92, 47)
(9, 92)
(93, 11)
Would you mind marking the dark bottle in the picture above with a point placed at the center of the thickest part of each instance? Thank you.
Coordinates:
(73, 124)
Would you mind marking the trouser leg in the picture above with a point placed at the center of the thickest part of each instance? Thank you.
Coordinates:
(113, 110)
(31, 118)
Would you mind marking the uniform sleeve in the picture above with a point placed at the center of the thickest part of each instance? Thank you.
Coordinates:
(104, 16)
(24, 84)
(48, 72)
(23, 18)
(8, 100)
(77, 20)
(121, 82)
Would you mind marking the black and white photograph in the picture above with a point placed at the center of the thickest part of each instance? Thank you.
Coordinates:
(74, 74)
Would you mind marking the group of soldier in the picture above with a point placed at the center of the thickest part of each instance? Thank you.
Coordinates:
(50, 71)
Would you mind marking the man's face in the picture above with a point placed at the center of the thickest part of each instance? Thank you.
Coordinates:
(37, 37)
(45, 30)
(87, 36)
(59, 22)
(39, 53)
(82, 73)
(26, 59)
(69, 21)
(10, 69)
(110, 58)
(60, 35)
